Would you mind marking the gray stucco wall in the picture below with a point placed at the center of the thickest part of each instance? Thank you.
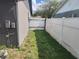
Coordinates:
(8, 34)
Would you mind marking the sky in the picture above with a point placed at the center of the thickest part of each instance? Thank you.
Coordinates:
(36, 3)
(40, 1)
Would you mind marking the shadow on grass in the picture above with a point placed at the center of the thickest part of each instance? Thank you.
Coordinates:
(48, 48)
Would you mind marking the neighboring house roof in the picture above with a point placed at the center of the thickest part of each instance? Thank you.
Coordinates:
(69, 6)
(60, 6)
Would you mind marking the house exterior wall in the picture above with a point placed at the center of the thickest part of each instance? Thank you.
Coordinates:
(22, 12)
(66, 32)
(69, 8)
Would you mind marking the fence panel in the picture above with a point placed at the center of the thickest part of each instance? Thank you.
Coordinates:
(37, 23)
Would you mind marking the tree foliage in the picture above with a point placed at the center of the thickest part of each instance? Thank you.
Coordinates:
(47, 9)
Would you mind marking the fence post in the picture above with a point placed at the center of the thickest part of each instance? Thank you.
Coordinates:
(45, 24)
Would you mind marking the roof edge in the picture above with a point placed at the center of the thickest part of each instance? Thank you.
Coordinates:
(60, 6)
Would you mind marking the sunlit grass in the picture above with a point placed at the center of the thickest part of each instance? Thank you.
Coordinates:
(28, 50)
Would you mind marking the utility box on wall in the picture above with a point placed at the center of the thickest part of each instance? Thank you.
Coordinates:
(13, 22)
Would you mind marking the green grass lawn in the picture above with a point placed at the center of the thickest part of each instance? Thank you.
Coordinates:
(40, 45)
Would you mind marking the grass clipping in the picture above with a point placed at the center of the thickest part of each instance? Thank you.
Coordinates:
(28, 49)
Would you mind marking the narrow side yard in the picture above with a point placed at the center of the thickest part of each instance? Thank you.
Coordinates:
(39, 45)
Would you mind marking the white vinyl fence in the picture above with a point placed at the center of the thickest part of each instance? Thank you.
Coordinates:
(37, 23)
(66, 32)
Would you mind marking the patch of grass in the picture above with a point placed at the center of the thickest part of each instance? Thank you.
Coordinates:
(2, 47)
(49, 48)
(39, 45)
